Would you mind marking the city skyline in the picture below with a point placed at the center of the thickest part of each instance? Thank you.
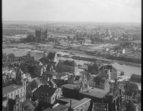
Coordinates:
(75, 10)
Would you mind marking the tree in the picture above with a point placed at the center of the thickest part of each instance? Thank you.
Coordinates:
(4, 56)
(10, 56)
(131, 87)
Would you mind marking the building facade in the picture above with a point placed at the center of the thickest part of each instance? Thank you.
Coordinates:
(47, 94)
(13, 90)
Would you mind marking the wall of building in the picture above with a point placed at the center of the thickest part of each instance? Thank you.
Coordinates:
(21, 92)
(82, 107)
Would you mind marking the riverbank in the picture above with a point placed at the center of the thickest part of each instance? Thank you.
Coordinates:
(80, 55)
(83, 56)
(104, 61)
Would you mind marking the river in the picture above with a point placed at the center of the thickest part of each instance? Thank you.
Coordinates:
(128, 70)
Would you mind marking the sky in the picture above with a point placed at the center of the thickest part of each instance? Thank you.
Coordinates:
(72, 10)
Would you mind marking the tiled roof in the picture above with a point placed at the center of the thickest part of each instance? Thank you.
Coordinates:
(11, 88)
(46, 89)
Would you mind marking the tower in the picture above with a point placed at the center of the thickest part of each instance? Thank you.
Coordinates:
(18, 76)
(38, 35)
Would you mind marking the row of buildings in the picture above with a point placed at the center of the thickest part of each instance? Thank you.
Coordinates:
(49, 91)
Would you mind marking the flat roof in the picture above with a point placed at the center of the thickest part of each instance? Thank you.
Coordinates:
(11, 88)
(95, 92)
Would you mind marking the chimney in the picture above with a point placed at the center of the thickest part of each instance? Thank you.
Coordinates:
(70, 109)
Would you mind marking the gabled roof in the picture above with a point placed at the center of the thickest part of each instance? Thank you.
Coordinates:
(44, 60)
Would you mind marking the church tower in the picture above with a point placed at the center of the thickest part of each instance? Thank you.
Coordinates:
(18, 76)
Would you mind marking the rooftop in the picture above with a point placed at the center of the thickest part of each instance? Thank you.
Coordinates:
(67, 100)
(27, 104)
(45, 89)
(69, 63)
(11, 88)
(79, 103)
(95, 92)
(74, 103)
(70, 86)
(35, 83)
(58, 108)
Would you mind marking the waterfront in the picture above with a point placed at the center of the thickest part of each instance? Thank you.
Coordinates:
(128, 70)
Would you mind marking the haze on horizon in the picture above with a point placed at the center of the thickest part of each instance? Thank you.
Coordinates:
(72, 10)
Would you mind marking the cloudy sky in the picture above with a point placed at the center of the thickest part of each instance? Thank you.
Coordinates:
(72, 10)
